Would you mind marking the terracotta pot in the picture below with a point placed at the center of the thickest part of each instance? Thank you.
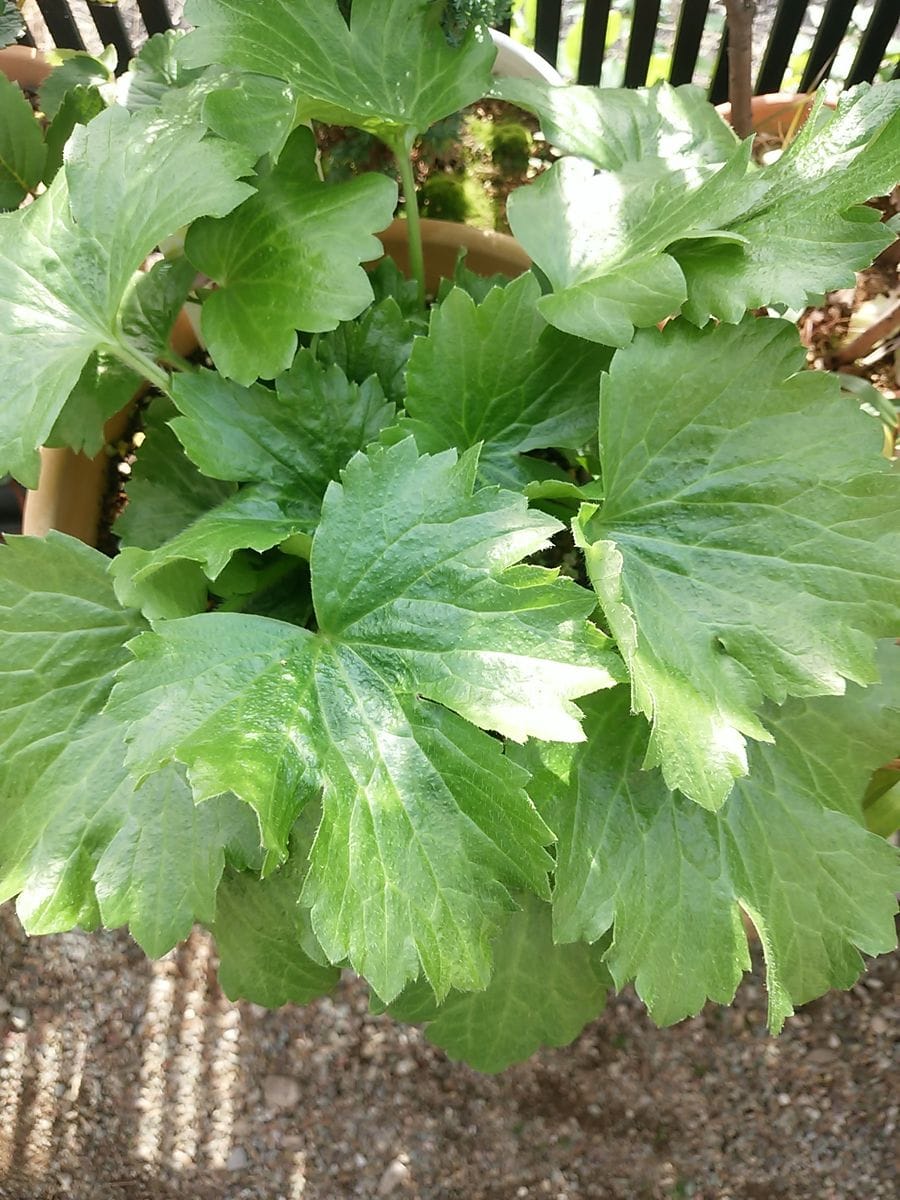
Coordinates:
(69, 496)
(24, 66)
(776, 112)
(487, 252)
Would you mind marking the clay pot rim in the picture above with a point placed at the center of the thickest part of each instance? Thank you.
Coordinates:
(774, 112)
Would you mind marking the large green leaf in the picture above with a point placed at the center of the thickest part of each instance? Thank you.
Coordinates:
(677, 219)
(806, 233)
(79, 843)
(644, 132)
(417, 599)
(748, 545)
(285, 445)
(496, 373)
(287, 259)
(603, 245)
(788, 848)
(69, 259)
(260, 933)
(22, 151)
(540, 994)
(11, 24)
(668, 169)
(389, 71)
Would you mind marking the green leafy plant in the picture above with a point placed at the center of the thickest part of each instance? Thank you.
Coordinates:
(11, 24)
(504, 652)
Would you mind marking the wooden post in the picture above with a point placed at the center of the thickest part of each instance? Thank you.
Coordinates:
(740, 15)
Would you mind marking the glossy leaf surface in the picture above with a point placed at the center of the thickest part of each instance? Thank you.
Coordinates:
(677, 219)
(69, 260)
(287, 259)
(417, 598)
(748, 546)
(389, 70)
(788, 847)
(497, 374)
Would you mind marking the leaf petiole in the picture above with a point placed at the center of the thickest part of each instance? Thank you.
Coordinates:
(142, 364)
(416, 253)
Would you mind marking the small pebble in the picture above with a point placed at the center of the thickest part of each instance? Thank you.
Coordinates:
(237, 1159)
(20, 1019)
(395, 1178)
(281, 1091)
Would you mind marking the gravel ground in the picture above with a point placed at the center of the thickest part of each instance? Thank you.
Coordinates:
(122, 1079)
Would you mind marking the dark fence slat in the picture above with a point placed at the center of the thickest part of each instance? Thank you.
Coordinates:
(62, 27)
(155, 15)
(830, 34)
(112, 30)
(780, 46)
(718, 87)
(593, 41)
(546, 30)
(692, 17)
(691, 22)
(640, 42)
(882, 23)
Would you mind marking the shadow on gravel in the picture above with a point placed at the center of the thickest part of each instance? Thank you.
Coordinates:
(170, 1101)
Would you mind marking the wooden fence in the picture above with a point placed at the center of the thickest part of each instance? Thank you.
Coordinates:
(692, 22)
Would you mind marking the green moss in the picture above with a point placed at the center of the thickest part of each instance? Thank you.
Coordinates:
(443, 198)
(510, 147)
(482, 212)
